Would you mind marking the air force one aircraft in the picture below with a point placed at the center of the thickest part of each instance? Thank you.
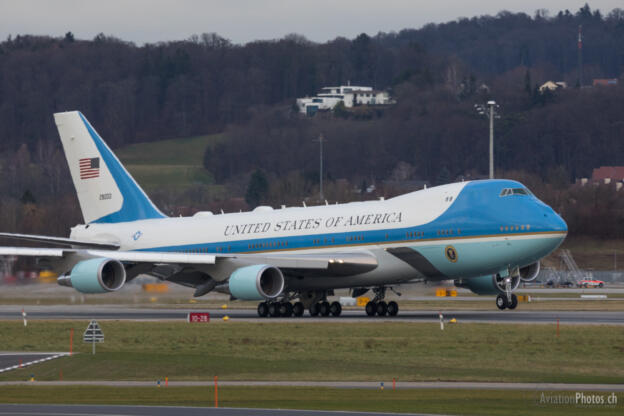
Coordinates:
(486, 235)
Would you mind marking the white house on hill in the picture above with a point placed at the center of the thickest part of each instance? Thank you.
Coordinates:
(350, 95)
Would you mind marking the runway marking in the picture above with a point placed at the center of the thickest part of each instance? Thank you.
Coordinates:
(28, 363)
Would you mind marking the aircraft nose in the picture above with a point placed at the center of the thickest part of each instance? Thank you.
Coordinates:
(556, 223)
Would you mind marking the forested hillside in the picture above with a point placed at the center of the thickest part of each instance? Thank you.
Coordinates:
(207, 85)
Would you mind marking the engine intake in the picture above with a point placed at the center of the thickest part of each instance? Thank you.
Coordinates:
(530, 272)
(256, 282)
(96, 276)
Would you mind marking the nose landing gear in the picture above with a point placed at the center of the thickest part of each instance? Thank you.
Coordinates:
(507, 300)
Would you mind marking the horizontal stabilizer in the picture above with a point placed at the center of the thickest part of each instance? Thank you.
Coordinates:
(62, 241)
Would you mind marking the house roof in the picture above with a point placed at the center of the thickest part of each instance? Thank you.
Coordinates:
(612, 172)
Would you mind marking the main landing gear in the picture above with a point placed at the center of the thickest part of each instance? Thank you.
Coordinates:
(325, 308)
(287, 309)
(379, 307)
(277, 309)
(317, 304)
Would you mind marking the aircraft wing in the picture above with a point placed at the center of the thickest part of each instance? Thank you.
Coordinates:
(343, 263)
(197, 269)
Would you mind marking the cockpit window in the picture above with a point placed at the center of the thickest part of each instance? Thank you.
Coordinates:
(515, 191)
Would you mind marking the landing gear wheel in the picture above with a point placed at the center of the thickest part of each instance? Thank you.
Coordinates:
(393, 308)
(501, 302)
(514, 302)
(335, 308)
(382, 308)
(298, 309)
(324, 309)
(371, 308)
(286, 309)
(263, 309)
(315, 308)
(274, 309)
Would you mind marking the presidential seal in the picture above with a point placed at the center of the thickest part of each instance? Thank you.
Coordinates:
(451, 254)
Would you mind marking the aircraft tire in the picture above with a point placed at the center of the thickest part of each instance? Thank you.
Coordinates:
(382, 308)
(393, 308)
(286, 309)
(501, 302)
(371, 308)
(335, 308)
(324, 309)
(315, 308)
(263, 309)
(514, 302)
(274, 309)
(298, 309)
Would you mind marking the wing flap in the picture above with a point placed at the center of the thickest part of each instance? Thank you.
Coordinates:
(31, 252)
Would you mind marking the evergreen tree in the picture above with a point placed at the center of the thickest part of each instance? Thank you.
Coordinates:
(258, 189)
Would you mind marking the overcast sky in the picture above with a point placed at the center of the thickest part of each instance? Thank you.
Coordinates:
(241, 21)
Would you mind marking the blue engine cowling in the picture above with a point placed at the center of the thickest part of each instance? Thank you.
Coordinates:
(487, 285)
(257, 282)
(96, 276)
(530, 272)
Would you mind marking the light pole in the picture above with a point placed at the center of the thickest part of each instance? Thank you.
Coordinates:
(320, 140)
(490, 110)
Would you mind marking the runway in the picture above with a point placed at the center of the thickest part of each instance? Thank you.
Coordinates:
(115, 312)
(95, 410)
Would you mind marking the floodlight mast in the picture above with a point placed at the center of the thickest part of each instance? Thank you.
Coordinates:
(490, 111)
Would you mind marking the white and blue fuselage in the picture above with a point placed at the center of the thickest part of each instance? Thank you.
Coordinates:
(491, 225)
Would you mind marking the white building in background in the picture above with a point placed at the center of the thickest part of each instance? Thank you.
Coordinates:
(350, 95)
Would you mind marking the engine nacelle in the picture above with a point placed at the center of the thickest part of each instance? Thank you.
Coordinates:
(487, 285)
(530, 272)
(257, 282)
(96, 276)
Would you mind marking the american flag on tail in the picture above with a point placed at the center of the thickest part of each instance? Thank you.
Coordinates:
(89, 167)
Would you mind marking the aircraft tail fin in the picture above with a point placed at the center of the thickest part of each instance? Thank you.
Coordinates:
(106, 191)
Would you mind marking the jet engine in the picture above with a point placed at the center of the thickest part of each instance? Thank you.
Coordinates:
(257, 282)
(530, 272)
(95, 276)
(487, 285)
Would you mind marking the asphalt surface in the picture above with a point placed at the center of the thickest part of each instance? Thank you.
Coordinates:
(371, 385)
(58, 410)
(87, 312)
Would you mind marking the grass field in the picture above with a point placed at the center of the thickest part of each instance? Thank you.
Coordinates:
(459, 402)
(175, 163)
(324, 351)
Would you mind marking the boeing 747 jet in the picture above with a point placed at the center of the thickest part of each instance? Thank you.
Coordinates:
(486, 235)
